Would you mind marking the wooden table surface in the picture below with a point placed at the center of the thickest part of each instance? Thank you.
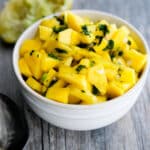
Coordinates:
(132, 132)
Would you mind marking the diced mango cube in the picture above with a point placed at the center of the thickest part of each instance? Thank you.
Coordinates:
(29, 45)
(74, 21)
(24, 69)
(73, 100)
(114, 89)
(67, 61)
(58, 94)
(33, 60)
(69, 75)
(35, 85)
(99, 48)
(135, 59)
(44, 32)
(69, 37)
(128, 75)
(50, 23)
(97, 77)
(48, 63)
(85, 96)
(120, 35)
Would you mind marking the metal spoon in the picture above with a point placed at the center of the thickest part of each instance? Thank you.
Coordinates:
(14, 131)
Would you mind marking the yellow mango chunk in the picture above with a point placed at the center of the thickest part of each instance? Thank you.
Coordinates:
(87, 39)
(111, 72)
(50, 23)
(58, 94)
(35, 85)
(50, 44)
(135, 59)
(132, 43)
(73, 100)
(69, 37)
(128, 75)
(74, 21)
(69, 75)
(101, 99)
(85, 96)
(114, 89)
(33, 60)
(48, 61)
(44, 32)
(67, 61)
(120, 36)
(24, 69)
(99, 48)
(29, 45)
(97, 77)
(112, 30)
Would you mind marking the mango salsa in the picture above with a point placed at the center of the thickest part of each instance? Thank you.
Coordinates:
(72, 60)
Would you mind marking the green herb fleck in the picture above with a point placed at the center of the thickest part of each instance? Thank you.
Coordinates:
(82, 45)
(80, 67)
(60, 19)
(82, 91)
(109, 46)
(44, 76)
(99, 38)
(59, 50)
(59, 29)
(120, 71)
(92, 63)
(103, 28)
(129, 42)
(85, 30)
(53, 56)
(32, 52)
(95, 91)
(112, 54)
(52, 83)
(120, 53)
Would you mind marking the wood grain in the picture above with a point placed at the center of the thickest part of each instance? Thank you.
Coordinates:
(132, 132)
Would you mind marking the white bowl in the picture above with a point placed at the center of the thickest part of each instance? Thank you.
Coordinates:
(81, 117)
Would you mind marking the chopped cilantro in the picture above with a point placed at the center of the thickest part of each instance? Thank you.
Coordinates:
(88, 46)
(52, 83)
(82, 91)
(82, 45)
(32, 52)
(52, 56)
(120, 53)
(59, 50)
(80, 67)
(59, 29)
(95, 91)
(103, 28)
(60, 19)
(92, 63)
(129, 42)
(109, 46)
(85, 30)
(120, 71)
(99, 38)
(112, 54)
(44, 76)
